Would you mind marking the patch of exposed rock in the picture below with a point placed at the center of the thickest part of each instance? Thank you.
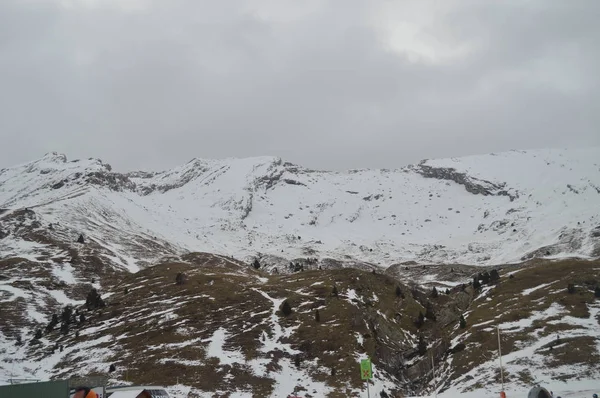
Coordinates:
(473, 185)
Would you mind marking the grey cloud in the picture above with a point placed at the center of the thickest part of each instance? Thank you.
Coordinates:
(154, 87)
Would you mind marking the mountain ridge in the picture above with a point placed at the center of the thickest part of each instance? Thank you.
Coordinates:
(486, 209)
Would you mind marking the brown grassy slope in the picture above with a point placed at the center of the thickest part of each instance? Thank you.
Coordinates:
(150, 347)
(506, 303)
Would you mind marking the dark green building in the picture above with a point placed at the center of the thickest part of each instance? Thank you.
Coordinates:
(44, 389)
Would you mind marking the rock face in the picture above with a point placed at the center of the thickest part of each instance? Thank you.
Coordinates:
(471, 184)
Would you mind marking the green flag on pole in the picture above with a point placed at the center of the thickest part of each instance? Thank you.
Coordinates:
(366, 370)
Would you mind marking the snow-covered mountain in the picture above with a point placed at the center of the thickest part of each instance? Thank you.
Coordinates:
(488, 209)
(463, 214)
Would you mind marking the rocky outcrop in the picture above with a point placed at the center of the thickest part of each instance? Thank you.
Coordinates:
(113, 181)
(473, 185)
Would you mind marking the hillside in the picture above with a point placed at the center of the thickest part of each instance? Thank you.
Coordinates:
(223, 331)
(490, 209)
(384, 238)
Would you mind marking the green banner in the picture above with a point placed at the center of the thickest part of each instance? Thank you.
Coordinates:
(366, 369)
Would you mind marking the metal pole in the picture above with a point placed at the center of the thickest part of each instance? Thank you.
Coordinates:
(434, 380)
(500, 358)
(368, 394)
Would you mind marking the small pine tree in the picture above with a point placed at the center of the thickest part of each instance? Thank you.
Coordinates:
(434, 292)
(38, 334)
(19, 341)
(447, 291)
(334, 292)
(64, 328)
(286, 308)
(420, 320)
(297, 360)
(94, 301)
(256, 264)
(180, 278)
(485, 278)
(80, 239)
(422, 345)
(463, 322)
(317, 316)
(112, 368)
(399, 292)
(81, 318)
(494, 276)
(333, 371)
(429, 314)
(597, 292)
(77, 334)
(571, 288)
(476, 283)
(67, 314)
(52, 324)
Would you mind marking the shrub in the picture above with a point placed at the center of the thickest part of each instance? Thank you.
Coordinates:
(334, 292)
(399, 292)
(52, 324)
(93, 300)
(485, 278)
(67, 314)
(180, 278)
(494, 276)
(429, 314)
(420, 320)
(286, 308)
(422, 345)
(463, 322)
(571, 288)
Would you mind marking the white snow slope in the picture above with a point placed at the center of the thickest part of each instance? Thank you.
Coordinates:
(485, 209)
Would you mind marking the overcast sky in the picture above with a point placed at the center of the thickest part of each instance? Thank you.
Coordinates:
(332, 84)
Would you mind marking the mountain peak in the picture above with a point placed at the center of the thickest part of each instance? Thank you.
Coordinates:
(55, 157)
